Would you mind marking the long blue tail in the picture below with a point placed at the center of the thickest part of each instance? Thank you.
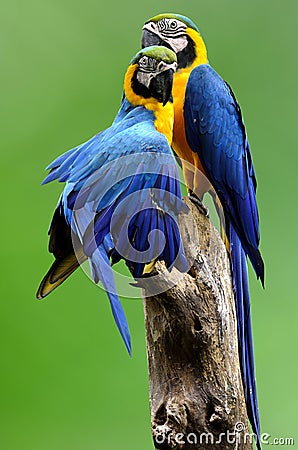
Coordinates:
(244, 328)
(102, 271)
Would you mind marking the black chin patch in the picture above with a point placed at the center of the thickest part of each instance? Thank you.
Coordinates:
(187, 56)
(159, 88)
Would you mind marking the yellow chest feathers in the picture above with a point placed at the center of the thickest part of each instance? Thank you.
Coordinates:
(164, 120)
(164, 115)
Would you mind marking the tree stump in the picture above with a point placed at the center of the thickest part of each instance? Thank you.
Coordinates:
(196, 393)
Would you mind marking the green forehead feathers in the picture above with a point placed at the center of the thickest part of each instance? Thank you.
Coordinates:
(156, 52)
(183, 19)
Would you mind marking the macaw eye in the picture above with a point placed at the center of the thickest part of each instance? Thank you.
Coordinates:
(173, 24)
(143, 61)
(148, 64)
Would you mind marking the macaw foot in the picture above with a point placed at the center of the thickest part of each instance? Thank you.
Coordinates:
(199, 204)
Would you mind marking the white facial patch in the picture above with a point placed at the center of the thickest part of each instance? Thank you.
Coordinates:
(177, 44)
(144, 78)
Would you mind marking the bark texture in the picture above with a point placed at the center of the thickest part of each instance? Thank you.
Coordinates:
(196, 394)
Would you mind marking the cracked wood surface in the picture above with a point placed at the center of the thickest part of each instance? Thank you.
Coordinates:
(196, 394)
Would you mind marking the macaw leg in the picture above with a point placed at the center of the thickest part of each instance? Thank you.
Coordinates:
(221, 215)
(201, 186)
(188, 174)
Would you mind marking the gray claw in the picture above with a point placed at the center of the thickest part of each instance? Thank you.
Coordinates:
(199, 204)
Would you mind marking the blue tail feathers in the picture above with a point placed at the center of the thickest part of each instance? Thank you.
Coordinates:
(244, 329)
(100, 265)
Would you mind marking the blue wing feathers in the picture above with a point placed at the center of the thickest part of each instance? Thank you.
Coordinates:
(113, 204)
(60, 160)
(215, 130)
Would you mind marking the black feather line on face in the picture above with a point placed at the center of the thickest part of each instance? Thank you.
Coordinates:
(187, 56)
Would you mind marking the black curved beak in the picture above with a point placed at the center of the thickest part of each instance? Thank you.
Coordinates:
(162, 85)
(149, 38)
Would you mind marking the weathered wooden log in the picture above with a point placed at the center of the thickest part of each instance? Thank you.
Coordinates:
(196, 393)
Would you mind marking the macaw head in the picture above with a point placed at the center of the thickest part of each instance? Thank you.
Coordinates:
(150, 75)
(179, 34)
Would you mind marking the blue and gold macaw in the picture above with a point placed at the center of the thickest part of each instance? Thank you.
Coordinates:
(121, 187)
(210, 138)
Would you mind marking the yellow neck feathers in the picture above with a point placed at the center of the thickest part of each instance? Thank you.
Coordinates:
(181, 76)
(180, 143)
(201, 51)
(164, 115)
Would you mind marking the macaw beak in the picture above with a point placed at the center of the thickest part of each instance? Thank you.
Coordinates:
(162, 85)
(149, 36)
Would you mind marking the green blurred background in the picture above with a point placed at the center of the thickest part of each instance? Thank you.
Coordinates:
(66, 380)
